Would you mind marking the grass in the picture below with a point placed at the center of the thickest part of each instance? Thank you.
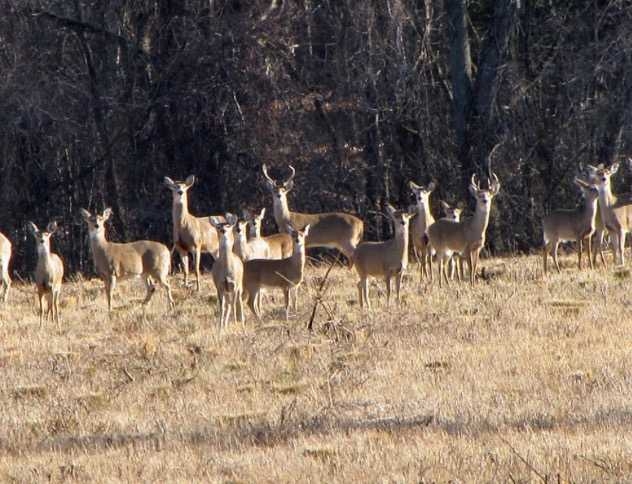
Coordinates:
(520, 379)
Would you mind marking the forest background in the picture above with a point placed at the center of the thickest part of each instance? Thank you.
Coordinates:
(99, 100)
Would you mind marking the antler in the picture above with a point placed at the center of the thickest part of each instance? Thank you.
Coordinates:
(291, 177)
(494, 183)
(264, 168)
(474, 181)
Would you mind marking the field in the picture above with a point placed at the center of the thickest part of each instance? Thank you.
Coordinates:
(520, 379)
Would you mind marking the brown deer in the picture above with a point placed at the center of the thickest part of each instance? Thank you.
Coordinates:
(336, 230)
(419, 225)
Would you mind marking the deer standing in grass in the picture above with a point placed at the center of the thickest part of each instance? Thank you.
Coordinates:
(228, 272)
(191, 234)
(387, 259)
(420, 223)
(576, 224)
(453, 213)
(49, 272)
(286, 274)
(279, 245)
(616, 215)
(336, 230)
(5, 258)
(466, 237)
(113, 261)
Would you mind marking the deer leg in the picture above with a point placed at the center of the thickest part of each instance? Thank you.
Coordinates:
(110, 284)
(398, 285)
(589, 252)
(164, 283)
(365, 288)
(555, 259)
(580, 242)
(286, 297)
(387, 280)
(473, 266)
(360, 286)
(150, 289)
(56, 306)
(6, 285)
(184, 257)
(429, 260)
(198, 257)
(40, 296)
(545, 256)
(252, 298)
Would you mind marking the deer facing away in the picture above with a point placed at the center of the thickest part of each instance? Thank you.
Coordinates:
(49, 272)
(387, 259)
(114, 261)
(336, 230)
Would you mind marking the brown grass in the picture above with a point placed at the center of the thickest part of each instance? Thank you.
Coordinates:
(520, 379)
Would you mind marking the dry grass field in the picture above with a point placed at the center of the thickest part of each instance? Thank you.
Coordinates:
(519, 379)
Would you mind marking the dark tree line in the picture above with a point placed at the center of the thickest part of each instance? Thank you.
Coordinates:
(101, 99)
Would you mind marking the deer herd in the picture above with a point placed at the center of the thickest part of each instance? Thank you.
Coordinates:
(246, 263)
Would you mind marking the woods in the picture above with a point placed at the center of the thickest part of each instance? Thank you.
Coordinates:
(100, 100)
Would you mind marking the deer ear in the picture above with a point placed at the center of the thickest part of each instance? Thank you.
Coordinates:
(306, 230)
(444, 205)
(390, 209)
(107, 213)
(231, 218)
(262, 213)
(189, 181)
(413, 185)
(614, 168)
(214, 221)
(288, 185)
(168, 181)
(432, 186)
(32, 228)
(85, 214)
(51, 228)
(460, 205)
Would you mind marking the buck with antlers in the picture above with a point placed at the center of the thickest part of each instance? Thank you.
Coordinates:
(571, 225)
(466, 237)
(336, 230)
(191, 234)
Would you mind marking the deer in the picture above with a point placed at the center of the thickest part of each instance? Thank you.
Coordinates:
(466, 237)
(615, 214)
(420, 223)
(191, 234)
(576, 224)
(5, 258)
(245, 248)
(49, 272)
(453, 213)
(113, 261)
(228, 272)
(286, 274)
(279, 245)
(336, 230)
(387, 259)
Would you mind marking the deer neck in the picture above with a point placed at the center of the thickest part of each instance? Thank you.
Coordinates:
(281, 212)
(240, 247)
(590, 211)
(480, 220)
(180, 209)
(98, 243)
(423, 213)
(298, 256)
(225, 247)
(400, 243)
(43, 252)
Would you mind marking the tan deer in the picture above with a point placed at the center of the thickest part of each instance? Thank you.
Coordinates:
(576, 224)
(49, 272)
(336, 230)
(419, 225)
(387, 259)
(279, 245)
(466, 237)
(228, 272)
(615, 214)
(5, 258)
(113, 261)
(249, 248)
(453, 213)
(286, 274)
(191, 234)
